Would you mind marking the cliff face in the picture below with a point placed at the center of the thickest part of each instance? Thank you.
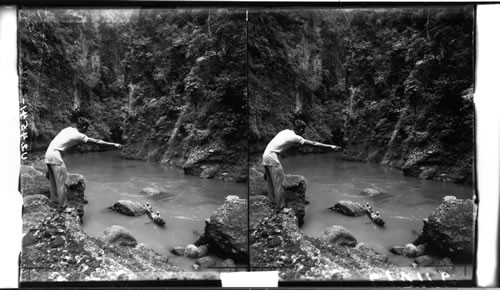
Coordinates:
(187, 98)
(392, 86)
(167, 83)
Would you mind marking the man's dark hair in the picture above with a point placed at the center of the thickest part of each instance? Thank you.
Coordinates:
(82, 123)
(299, 125)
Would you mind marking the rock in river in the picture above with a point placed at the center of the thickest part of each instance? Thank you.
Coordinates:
(424, 261)
(118, 235)
(449, 230)
(226, 230)
(128, 207)
(349, 208)
(339, 236)
(371, 192)
(206, 262)
(150, 191)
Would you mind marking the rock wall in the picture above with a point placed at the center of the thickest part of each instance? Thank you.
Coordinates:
(379, 83)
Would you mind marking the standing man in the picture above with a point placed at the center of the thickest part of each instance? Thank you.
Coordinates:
(274, 173)
(57, 172)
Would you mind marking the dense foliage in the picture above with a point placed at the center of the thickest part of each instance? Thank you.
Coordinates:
(391, 86)
(170, 84)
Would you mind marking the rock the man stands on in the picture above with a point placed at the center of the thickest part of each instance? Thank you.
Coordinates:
(274, 174)
(57, 172)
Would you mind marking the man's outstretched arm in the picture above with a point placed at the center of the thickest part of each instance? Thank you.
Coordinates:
(314, 143)
(101, 142)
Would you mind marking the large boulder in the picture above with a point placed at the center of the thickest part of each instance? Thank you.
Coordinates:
(349, 208)
(226, 230)
(128, 207)
(449, 230)
(339, 236)
(118, 235)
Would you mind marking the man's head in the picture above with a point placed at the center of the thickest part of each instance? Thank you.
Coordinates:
(82, 124)
(299, 127)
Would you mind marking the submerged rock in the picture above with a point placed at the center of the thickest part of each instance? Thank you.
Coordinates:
(398, 250)
(424, 261)
(226, 230)
(229, 265)
(150, 191)
(446, 263)
(118, 235)
(339, 236)
(206, 262)
(128, 207)
(371, 192)
(349, 208)
(178, 251)
(371, 252)
(449, 230)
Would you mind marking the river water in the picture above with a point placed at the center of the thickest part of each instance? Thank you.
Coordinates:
(185, 202)
(405, 201)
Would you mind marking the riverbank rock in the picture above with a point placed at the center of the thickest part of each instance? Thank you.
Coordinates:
(427, 173)
(178, 251)
(424, 261)
(209, 171)
(367, 250)
(118, 235)
(410, 250)
(128, 207)
(397, 250)
(295, 187)
(449, 230)
(371, 192)
(35, 182)
(349, 208)
(339, 236)
(226, 230)
(58, 248)
(206, 262)
(191, 251)
(228, 265)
